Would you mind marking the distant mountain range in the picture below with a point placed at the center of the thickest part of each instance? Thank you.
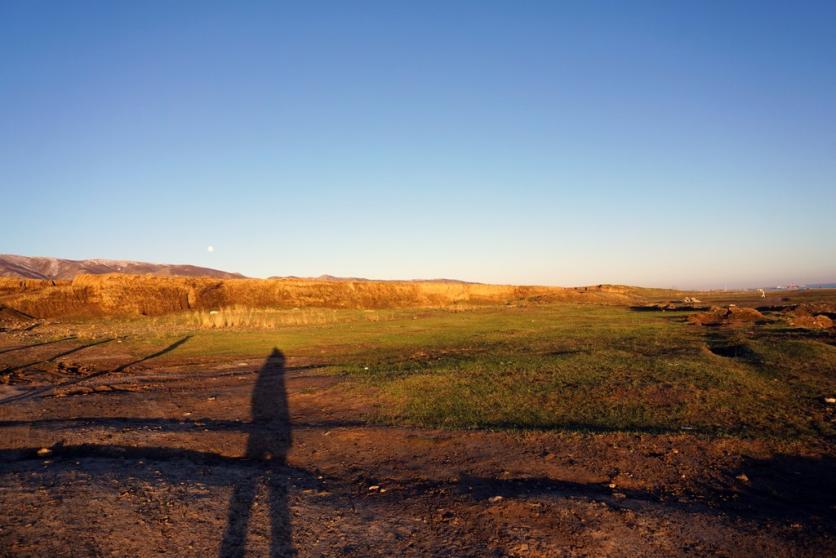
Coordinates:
(356, 279)
(55, 268)
(28, 267)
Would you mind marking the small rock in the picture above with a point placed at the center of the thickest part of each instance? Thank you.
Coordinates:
(742, 477)
(830, 400)
(374, 488)
(80, 390)
(44, 451)
(495, 499)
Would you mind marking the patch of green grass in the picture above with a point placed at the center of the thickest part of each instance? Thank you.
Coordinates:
(557, 366)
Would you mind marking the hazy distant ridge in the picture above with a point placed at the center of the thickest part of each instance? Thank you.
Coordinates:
(335, 278)
(27, 267)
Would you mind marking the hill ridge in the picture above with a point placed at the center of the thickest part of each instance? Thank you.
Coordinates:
(44, 267)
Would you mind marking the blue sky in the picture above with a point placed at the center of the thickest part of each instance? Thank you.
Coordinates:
(688, 144)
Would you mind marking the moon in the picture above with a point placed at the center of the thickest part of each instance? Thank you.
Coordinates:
(210, 248)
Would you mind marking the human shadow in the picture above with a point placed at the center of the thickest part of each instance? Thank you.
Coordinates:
(265, 459)
(268, 443)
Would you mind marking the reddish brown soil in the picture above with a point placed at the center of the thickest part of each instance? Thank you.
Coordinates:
(718, 315)
(162, 462)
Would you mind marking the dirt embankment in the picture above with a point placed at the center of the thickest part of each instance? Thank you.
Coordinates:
(119, 294)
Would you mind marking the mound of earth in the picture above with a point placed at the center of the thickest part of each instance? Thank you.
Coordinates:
(722, 315)
(811, 322)
(818, 315)
(815, 309)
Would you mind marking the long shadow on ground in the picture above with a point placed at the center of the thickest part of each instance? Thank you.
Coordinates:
(267, 446)
(784, 487)
(57, 356)
(44, 390)
(23, 347)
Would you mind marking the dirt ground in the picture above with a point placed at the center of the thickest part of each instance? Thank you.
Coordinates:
(269, 457)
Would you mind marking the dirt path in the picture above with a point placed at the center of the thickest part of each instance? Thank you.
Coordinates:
(191, 461)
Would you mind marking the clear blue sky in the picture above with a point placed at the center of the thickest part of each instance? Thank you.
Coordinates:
(687, 144)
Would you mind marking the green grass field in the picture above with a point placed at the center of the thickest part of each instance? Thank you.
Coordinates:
(558, 366)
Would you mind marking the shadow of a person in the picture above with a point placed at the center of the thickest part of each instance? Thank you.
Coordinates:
(268, 443)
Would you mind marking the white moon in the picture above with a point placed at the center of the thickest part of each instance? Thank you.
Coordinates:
(210, 249)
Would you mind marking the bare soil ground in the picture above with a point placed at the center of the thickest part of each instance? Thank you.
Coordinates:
(146, 461)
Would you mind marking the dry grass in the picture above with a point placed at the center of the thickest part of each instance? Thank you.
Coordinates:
(270, 318)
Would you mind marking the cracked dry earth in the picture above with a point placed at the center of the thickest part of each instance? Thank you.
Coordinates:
(151, 461)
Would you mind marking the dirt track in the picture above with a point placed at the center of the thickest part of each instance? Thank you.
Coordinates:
(145, 461)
